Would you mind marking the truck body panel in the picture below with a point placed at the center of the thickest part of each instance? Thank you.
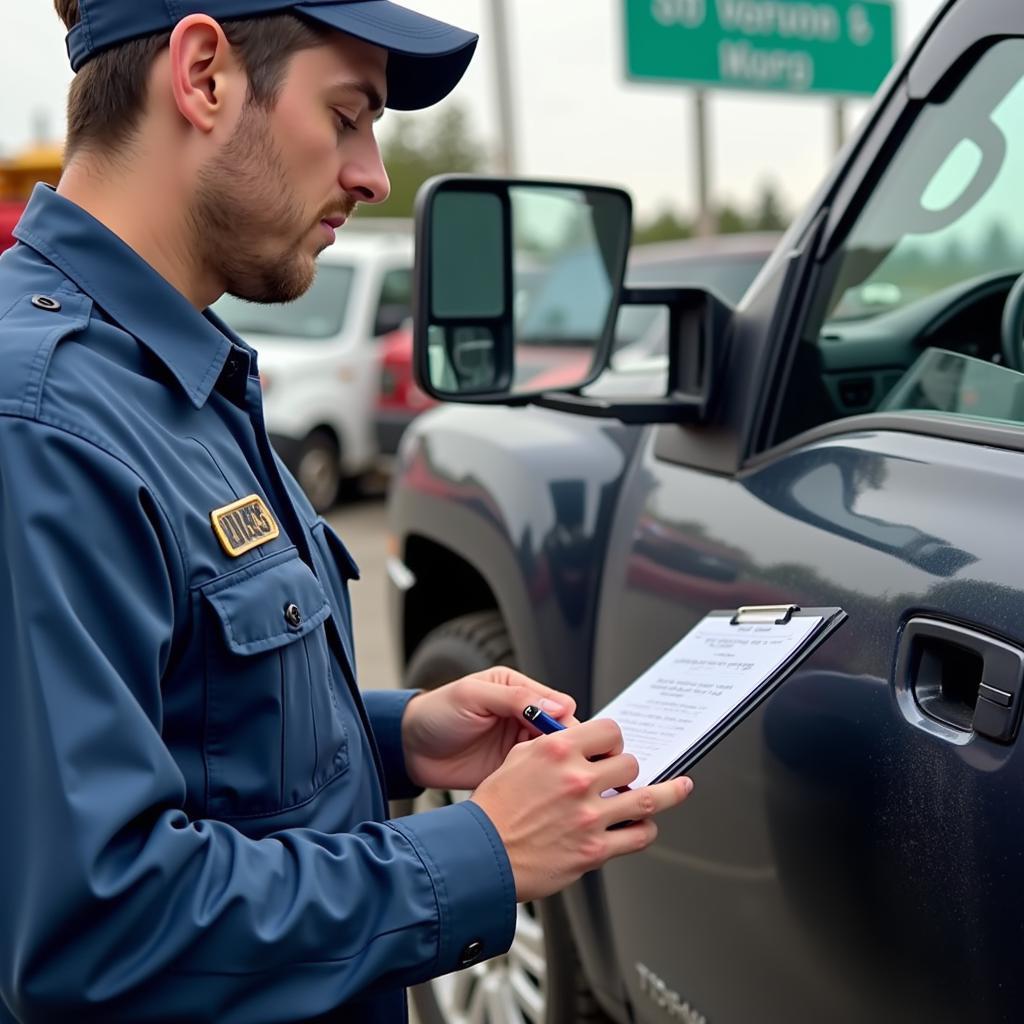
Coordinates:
(844, 856)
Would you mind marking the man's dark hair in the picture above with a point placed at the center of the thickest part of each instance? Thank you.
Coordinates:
(108, 95)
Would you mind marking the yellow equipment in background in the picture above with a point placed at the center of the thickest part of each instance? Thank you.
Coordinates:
(19, 174)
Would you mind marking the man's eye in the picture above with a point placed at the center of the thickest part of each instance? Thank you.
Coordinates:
(343, 123)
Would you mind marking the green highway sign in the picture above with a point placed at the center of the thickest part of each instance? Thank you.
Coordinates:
(795, 46)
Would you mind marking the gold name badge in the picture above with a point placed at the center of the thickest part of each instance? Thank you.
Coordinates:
(244, 525)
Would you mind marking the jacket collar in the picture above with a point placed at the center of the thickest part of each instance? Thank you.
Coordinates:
(192, 345)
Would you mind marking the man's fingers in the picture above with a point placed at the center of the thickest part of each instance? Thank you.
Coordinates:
(511, 701)
(645, 802)
(613, 772)
(636, 836)
(512, 679)
(598, 738)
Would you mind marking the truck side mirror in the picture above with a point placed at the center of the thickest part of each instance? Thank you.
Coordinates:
(517, 289)
(517, 286)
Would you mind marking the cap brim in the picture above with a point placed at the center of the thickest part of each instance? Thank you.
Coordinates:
(427, 58)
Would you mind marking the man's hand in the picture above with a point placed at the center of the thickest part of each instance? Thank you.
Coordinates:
(546, 803)
(456, 735)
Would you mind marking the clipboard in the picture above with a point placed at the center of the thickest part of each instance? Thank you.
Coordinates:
(772, 626)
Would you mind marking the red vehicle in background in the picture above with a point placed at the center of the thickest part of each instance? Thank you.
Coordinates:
(725, 265)
(400, 399)
(10, 214)
(40, 162)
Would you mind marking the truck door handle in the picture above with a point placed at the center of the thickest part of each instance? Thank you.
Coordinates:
(961, 678)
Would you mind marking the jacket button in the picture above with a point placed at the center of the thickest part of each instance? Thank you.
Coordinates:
(293, 616)
(471, 953)
(45, 302)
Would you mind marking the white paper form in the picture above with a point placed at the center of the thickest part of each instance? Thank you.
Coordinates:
(697, 684)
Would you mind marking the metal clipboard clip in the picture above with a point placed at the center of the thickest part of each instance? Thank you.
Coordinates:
(762, 614)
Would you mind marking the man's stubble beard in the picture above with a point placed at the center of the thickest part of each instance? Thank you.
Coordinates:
(243, 201)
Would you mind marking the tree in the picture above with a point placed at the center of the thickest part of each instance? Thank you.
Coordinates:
(730, 220)
(664, 227)
(769, 214)
(417, 148)
(998, 249)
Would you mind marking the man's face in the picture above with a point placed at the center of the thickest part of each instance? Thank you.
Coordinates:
(269, 202)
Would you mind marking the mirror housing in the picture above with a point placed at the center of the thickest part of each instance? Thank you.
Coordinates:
(468, 308)
(698, 327)
(515, 281)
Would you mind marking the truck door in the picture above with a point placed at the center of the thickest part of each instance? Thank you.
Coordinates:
(853, 851)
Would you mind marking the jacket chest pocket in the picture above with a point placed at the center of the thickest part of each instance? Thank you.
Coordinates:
(274, 731)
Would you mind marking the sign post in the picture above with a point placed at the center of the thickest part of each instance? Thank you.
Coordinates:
(803, 47)
(508, 158)
(838, 124)
(705, 218)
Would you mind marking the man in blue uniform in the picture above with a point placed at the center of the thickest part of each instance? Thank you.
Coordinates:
(194, 808)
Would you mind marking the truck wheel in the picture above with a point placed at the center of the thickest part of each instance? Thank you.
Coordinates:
(318, 470)
(459, 648)
(539, 980)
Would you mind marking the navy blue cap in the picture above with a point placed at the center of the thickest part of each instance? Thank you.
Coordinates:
(426, 58)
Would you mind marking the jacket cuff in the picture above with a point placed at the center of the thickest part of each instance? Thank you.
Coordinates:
(385, 709)
(473, 883)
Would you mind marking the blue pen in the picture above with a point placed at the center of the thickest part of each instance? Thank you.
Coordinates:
(542, 720)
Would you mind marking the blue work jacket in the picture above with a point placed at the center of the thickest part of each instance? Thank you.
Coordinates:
(194, 801)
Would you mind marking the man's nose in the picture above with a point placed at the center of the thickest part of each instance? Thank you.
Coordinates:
(363, 175)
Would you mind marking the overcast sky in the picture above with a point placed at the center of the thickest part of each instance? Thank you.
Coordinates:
(576, 116)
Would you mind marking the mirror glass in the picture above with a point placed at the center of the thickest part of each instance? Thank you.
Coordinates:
(523, 286)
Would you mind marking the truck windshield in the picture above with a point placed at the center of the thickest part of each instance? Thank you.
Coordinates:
(317, 315)
(919, 312)
(948, 209)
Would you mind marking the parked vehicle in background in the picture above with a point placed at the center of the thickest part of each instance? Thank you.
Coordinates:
(318, 357)
(19, 174)
(851, 434)
(400, 399)
(725, 265)
(10, 214)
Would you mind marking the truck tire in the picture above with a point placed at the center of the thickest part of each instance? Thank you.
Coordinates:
(540, 978)
(470, 643)
(318, 470)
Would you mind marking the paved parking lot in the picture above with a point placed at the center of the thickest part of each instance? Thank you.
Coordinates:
(362, 525)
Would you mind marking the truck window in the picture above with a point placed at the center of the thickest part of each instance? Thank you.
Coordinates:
(317, 316)
(910, 314)
(395, 305)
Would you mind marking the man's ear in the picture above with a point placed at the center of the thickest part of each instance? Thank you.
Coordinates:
(207, 82)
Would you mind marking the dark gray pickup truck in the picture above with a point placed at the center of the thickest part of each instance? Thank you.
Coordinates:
(851, 434)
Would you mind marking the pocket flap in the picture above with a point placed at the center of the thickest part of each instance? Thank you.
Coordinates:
(342, 556)
(269, 604)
